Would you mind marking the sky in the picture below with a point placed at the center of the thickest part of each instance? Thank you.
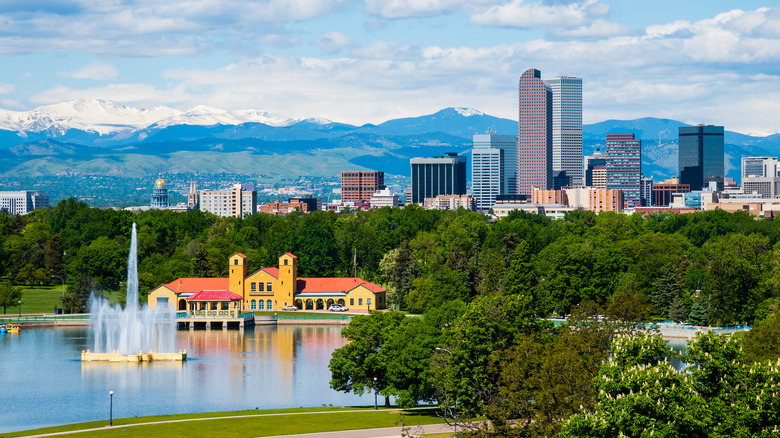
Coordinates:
(350, 61)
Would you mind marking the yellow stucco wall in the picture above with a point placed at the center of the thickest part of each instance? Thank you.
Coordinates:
(162, 291)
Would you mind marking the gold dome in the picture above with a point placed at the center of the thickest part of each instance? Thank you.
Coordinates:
(159, 184)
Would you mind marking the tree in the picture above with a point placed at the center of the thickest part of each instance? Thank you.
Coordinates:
(669, 286)
(761, 342)
(521, 278)
(698, 315)
(642, 394)
(354, 366)
(75, 300)
(9, 295)
(399, 268)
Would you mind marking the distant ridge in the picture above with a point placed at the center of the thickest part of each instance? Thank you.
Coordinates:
(101, 137)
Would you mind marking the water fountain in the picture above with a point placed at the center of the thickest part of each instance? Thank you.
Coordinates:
(121, 335)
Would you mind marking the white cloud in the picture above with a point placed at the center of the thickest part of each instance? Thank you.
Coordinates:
(520, 13)
(413, 8)
(6, 88)
(334, 42)
(97, 70)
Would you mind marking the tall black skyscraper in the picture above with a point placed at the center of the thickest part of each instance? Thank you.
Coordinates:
(438, 176)
(701, 156)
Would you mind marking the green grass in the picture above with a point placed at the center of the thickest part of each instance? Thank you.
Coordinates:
(44, 299)
(254, 423)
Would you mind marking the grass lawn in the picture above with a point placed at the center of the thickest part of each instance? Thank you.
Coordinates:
(44, 299)
(241, 424)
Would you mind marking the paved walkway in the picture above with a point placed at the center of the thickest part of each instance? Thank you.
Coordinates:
(386, 432)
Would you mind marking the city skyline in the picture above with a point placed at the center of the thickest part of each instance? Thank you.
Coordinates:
(365, 62)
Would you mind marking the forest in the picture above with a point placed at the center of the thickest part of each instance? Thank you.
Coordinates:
(708, 268)
(472, 332)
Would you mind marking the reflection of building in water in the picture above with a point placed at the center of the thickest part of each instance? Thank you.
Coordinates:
(273, 288)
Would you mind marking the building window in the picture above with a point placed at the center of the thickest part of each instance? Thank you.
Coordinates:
(285, 261)
(253, 305)
(268, 305)
(351, 301)
(235, 262)
(261, 285)
(368, 301)
(268, 289)
(360, 301)
(261, 304)
(254, 287)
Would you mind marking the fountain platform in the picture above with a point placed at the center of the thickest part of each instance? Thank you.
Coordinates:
(115, 356)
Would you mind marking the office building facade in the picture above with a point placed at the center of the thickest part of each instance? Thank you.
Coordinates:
(358, 186)
(23, 201)
(493, 168)
(534, 140)
(701, 156)
(436, 176)
(647, 191)
(624, 167)
(592, 162)
(567, 126)
(233, 202)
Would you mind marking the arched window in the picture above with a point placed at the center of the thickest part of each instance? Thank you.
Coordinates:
(253, 305)
(261, 304)
(268, 305)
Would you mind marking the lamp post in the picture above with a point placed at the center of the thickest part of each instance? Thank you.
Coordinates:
(63, 284)
(111, 408)
(375, 405)
(20, 309)
(455, 411)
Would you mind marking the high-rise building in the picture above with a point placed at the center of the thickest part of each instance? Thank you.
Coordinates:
(233, 202)
(160, 195)
(22, 202)
(567, 126)
(760, 175)
(624, 167)
(493, 168)
(591, 162)
(647, 191)
(358, 186)
(534, 140)
(701, 156)
(436, 176)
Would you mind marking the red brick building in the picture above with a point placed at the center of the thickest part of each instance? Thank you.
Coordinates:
(359, 186)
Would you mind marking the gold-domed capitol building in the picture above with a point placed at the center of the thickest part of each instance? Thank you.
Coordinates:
(160, 194)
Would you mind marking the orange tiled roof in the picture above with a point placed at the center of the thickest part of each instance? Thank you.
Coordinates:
(240, 255)
(291, 255)
(215, 295)
(194, 285)
(272, 271)
(321, 285)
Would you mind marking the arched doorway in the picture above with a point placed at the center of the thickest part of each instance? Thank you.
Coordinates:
(309, 304)
(299, 304)
(341, 301)
(182, 304)
(330, 302)
(320, 304)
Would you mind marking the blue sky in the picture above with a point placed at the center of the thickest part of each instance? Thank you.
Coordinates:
(358, 62)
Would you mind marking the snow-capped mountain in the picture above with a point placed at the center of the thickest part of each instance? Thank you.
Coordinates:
(101, 116)
(106, 117)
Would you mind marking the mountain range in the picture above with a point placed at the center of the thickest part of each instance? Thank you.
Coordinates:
(104, 138)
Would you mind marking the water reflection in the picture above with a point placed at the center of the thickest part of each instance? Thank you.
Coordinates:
(264, 366)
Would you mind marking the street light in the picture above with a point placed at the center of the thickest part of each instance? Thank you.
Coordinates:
(63, 284)
(20, 309)
(111, 409)
(375, 405)
(455, 411)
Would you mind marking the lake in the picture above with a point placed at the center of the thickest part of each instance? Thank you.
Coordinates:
(44, 383)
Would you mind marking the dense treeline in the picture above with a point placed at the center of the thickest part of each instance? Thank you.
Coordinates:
(426, 258)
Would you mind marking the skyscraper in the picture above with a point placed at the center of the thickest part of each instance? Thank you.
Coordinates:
(437, 176)
(567, 126)
(624, 167)
(493, 168)
(593, 163)
(701, 156)
(760, 175)
(534, 142)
